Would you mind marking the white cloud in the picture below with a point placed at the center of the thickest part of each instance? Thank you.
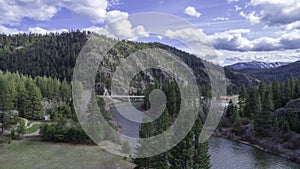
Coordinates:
(139, 31)
(39, 30)
(220, 19)
(159, 37)
(275, 12)
(12, 12)
(265, 44)
(93, 10)
(190, 10)
(236, 40)
(112, 3)
(195, 42)
(237, 8)
(188, 35)
(230, 1)
(291, 26)
(115, 15)
(6, 30)
(251, 17)
(120, 28)
(231, 57)
(231, 40)
(98, 30)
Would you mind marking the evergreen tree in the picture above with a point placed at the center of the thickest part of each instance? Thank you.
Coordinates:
(34, 107)
(243, 98)
(94, 119)
(181, 156)
(21, 128)
(12, 87)
(6, 100)
(263, 120)
(276, 94)
(236, 119)
(147, 130)
(297, 89)
(292, 85)
(201, 157)
(276, 124)
(287, 91)
(230, 109)
(262, 89)
(65, 91)
(190, 153)
(267, 100)
(22, 95)
(41, 83)
(161, 125)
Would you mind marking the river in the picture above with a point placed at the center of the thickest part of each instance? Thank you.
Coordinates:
(225, 154)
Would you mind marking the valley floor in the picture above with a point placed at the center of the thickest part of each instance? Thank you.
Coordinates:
(32, 153)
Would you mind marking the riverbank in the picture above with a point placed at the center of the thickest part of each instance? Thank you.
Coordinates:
(227, 154)
(281, 145)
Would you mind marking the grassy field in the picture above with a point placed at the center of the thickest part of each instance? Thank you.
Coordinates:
(31, 153)
(33, 129)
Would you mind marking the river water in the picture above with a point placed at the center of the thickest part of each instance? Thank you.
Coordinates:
(225, 154)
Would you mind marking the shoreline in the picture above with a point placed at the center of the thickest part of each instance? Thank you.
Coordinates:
(237, 139)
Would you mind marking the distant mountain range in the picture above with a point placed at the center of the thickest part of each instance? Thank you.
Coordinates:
(269, 74)
(256, 65)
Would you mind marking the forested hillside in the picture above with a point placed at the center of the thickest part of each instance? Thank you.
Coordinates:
(41, 55)
(54, 55)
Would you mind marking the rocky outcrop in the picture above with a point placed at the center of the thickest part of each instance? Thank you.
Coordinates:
(290, 111)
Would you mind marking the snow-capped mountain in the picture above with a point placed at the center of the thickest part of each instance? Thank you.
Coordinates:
(256, 65)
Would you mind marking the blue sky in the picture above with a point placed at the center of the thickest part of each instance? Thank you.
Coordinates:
(239, 30)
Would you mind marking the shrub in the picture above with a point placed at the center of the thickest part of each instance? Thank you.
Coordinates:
(126, 147)
(12, 133)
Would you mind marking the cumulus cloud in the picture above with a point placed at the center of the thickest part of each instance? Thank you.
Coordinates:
(291, 40)
(275, 12)
(292, 26)
(188, 35)
(190, 10)
(96, 11)
(98, 30)
(120, 28)
(39, 30)
(6, 30)
(116, 15)
(12, 12)
(195, 41)
(251, 17)
(231, 40)
(236, 40)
